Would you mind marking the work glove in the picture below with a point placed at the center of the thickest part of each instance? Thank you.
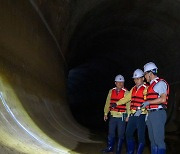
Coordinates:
(113, 105)
(137, 113)
(144, 104)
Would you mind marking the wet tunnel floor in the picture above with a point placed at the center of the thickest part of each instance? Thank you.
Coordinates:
(172, 143)
(99, 129)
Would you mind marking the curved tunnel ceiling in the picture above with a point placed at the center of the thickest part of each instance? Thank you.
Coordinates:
(57, 55)
(119, 37)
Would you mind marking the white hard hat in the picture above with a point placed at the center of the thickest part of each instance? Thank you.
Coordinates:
(119, 78)
(149, 67)
(138, 73)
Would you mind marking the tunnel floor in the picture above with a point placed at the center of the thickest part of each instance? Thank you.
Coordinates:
(171, 139)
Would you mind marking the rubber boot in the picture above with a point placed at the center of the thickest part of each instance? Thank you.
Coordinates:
(119, 146)
(140, 148)
(154, 150)
(131, 147)
(110, 145)
(161, 151)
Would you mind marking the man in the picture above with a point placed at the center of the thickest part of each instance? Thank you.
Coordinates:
(157, 97)
(117, 115)
(136, 117)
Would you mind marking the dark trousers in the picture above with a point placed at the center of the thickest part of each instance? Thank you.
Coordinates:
(156, 122)
(117, 123)
(138, 123)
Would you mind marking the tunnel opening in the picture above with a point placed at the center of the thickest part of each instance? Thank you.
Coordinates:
(113, 38)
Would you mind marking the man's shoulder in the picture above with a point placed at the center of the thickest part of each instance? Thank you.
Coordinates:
(161, 87)
(161, 83)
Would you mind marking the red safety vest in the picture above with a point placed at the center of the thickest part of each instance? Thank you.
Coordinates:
(137, 97)
(151, 94)
(116, 97)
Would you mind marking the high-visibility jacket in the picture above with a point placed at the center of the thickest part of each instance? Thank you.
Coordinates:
(137, 97)
(151, 94)
(116, 96)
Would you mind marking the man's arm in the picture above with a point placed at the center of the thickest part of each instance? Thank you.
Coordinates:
(159, 100)
(126, 98)
(107, 104)
(128, 108)
(161, 89)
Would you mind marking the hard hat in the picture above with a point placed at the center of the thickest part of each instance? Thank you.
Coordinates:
(149, 67)
(138, 73)
(119, 78)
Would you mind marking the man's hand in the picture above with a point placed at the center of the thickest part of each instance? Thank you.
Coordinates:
(127, 118)
(144, 104)
(137, 113)
(105, 117)
(113, 105)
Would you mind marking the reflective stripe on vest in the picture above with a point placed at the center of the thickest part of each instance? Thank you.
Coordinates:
(116, 96)
(137, 97)
(151, 94)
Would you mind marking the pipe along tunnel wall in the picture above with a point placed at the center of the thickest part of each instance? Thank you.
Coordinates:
(58, 60)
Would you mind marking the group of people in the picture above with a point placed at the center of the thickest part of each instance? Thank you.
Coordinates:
(128, 111)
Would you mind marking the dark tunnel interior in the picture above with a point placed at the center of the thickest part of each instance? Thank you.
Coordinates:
(58, 61)
(117, 38)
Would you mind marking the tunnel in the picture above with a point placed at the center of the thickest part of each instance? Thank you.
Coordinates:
(58, 60)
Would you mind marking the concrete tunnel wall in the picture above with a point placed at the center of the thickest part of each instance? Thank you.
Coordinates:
(42, 40)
